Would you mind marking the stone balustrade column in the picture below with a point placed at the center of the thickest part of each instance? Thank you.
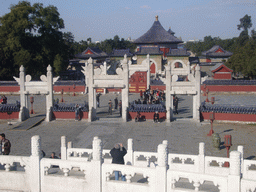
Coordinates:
(33, 170)
(161, 169)
(49, 97)
(234, 177)
(129, 157)
(63, 148)
(240, 148)
(201, 158)
(97, 149)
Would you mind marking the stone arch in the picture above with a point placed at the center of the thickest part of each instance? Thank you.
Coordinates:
(98, 78)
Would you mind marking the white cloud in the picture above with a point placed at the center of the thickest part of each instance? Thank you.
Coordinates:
(145, 7)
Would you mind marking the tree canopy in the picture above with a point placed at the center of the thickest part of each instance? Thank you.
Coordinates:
(30, 35)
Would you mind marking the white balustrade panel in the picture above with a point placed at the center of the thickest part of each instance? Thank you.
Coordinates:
(57, 175)
(216, 170)
(108, 184)
(248, 185)
(181, 162)
(9, 173)
(79, 154)
(106, 152)
(249, 169)
(196, 179)
(146, 155)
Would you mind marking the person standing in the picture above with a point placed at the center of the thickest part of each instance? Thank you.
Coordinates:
(175, 103)
(110, 107)
(77, 112)
(141, 95)
(116, 102)
(5, 145)
(117, 154)
(98, 100)
(120, 107)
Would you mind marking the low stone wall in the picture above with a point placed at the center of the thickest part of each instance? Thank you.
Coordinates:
(9, 111)
(147, 115)
(67, 111)
(229, 117)
(228, 112)
(69, 115)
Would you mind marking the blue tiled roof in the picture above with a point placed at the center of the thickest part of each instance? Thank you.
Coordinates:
(157, 34)
(212, 52)
(178, 52)
(120, 53)
(149, 50)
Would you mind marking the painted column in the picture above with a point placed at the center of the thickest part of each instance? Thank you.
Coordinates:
(148, 71)
(49, 97)
(34, 168)
(234, 177)
(125, 90)
(196, 98)
(90, 73)
(168, 96)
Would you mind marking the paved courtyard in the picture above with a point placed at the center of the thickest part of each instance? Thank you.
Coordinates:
(183, 134)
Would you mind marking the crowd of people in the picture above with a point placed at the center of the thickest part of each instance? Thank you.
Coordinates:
(150, 96)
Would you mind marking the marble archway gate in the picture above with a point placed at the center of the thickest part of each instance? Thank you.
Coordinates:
(189, 87)
(43, 87)
(98, 78)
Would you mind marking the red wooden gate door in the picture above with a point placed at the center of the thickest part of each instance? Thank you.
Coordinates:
(138, 81)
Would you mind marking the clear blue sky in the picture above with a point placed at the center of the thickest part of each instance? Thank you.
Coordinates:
(189, 19)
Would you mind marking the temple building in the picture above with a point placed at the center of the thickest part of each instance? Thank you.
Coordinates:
(161, 45)
(215, 56)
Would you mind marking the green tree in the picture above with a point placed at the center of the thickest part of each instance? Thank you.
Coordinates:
(245, 23)
(30, 36)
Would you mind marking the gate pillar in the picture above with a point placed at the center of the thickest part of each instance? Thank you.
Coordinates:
(125, 90)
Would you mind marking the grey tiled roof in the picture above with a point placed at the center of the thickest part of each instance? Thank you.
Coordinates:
(212, 52)
(178, 52)
(157, 34)
(149, 50)
(97, 53)
(120, 53)
(193, 60)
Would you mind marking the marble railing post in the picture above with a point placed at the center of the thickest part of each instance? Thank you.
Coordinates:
(94, 177)
(201, 158)
(128, 158)
(49, 96)
(234, 177)
(240, 148)
(63, 148)
(34, 168)
(161, 169)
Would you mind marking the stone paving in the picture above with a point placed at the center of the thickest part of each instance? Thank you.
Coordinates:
(183, 134)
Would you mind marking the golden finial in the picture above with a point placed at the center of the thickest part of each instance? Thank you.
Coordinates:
(157, 18)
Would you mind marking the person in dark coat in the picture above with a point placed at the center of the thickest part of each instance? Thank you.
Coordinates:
(117, 154)
(116, 102)
(156, 117)
(5, 145)
(110, 107)
(175, 103)
(98, 100)
(120, 107)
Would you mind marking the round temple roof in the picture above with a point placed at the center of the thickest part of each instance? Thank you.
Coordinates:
(157, 34)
